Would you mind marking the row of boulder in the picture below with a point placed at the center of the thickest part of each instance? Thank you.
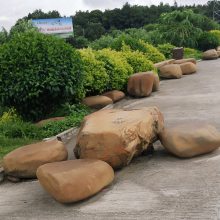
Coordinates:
(144, 83)
(107, 140)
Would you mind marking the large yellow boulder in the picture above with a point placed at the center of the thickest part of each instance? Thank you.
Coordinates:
(210, 55)
(97, 102)
(141, 84)
(190, 139)
(75, 180)
(171, 71)
(115, 95)
(116, 136)
(24, 161)
(188, 68)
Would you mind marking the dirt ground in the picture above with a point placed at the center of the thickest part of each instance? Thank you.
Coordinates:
(157, 187)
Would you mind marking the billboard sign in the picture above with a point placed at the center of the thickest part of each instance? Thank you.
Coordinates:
(62, 27)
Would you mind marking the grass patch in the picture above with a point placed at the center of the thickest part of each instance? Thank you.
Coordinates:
(9, 144)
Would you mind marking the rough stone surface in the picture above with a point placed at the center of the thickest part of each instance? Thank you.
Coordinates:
(45, 121)
(188, 68)
(141, 84)
(210, 55)
(171, 71)
(190, 139)
(154, 187)
(97, 102)
(163, 63)
(191, 60)
(2, 172)
(24, 161)
(75, 180)
(116, 136)
(156, 84)
(115, 95)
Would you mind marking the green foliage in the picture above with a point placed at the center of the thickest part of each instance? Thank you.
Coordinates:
(78, 42)
(96, 77)
(37, 73)
(217, 34)
(192, 53)
(181, 28)
(166, 50)
(207, 41)
(3, 36)
(21, 27)
(116, 67)
(137, 60)
(103, 42)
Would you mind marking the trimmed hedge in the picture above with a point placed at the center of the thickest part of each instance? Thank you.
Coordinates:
(137, 60)
(116, 66)
(96, 77)
(166, 50)
(39, 72)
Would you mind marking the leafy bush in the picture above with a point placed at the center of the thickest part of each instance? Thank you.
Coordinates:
(192, 53)
(37, 73)
(137, 60)
(103, 42)
(116, 67)
(208, 41)
(3, 36)
(96, 77)
(217, 34)
(78, 42)
(151, 52)
(166, 50)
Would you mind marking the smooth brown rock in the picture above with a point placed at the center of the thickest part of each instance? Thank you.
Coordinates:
(141, 84)
(97, 101)
(75, 180)
(45, 121)
(115, 95)
(24, 161)
(218, 52)
(191, 60)
(156, 85)
(188, 68)
(190, 139)
(171, 71)
(116, 136)
(210, 55)
(163, 63)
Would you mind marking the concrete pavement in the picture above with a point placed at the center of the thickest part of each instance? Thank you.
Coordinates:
(157, 187)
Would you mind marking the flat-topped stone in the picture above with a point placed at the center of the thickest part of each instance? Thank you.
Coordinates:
(171, 71)
(190, 139)
(116, 136)
(97, 102)
(24, 161)
(115, 95)
(75, 180)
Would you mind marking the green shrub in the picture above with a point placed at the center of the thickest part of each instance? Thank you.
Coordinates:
(116, 66)
(137, 60)
(78, 42)
(96, 77)
(166, 50)
(192, 53)
(75, 113)
(217, 34)
(151, 52)
(208, 41)
(37, 73)
(103, 42)
(3, 36)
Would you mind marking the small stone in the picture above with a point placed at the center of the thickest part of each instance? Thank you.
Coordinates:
(115, 95)
(188, 68)
(97, 102)
(171, 71)
(210, 55)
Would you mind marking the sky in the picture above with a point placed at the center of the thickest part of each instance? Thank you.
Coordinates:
(12, 10)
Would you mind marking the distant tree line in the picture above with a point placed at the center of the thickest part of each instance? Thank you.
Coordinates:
(89, 26)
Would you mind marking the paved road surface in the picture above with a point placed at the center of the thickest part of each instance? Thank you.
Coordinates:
(159, 187)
